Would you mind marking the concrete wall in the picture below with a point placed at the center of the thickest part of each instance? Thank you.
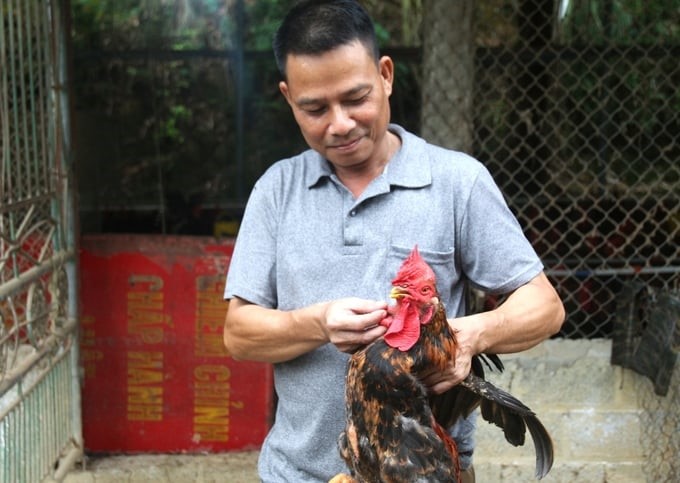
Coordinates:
(590, 408)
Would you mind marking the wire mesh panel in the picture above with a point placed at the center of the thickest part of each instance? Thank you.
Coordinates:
(646, 340)
(39, 398)
(660, 436)
(576, 114)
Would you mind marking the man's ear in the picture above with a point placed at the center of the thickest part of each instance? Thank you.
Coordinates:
(386, 68)
(283, 87)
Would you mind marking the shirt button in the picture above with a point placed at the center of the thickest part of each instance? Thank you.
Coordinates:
(353, 213)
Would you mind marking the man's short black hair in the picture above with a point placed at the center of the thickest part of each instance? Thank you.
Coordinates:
(314, 27)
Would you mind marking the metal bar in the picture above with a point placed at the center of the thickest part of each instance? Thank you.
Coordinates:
(32, 24)
(23, 31)
(487, 56)
(70, 211)
(45, 395)
(586, 272)
(30, 361)
(15, 206)
(599, 261)
(44, 106)
(239, 67)
(14, 285)
(4, 122)
(65, 464)
(12, 128)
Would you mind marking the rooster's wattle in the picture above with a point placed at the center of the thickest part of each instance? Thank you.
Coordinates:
(397, 432)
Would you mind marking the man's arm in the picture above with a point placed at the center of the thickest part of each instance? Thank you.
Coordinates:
(529, 315)
(257, 333)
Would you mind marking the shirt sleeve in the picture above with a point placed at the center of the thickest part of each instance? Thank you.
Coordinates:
(496, 255)
(252, 269)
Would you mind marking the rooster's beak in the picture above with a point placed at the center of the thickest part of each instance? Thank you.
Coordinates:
(397, 292)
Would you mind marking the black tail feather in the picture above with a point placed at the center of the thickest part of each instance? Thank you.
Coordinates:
(513, 417)
(542, 445)
(489, 359)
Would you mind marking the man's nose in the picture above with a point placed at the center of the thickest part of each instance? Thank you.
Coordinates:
(341, 122)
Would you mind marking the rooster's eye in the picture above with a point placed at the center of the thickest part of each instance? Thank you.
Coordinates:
(425, 290)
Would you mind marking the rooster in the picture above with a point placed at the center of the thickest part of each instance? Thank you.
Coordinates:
(395, 431)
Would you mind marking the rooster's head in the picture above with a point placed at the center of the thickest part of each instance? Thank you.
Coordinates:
(415, 291)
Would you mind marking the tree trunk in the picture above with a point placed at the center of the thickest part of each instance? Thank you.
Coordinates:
(448, 73)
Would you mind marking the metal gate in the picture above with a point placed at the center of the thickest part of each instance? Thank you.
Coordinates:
(40, 430)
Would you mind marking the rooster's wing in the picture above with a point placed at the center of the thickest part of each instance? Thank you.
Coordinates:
(498, 407)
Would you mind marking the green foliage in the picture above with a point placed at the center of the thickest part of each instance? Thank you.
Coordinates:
(263, 18)
(621, 21)
(398, 22)
(174, 121)
(171, 107)
(151, 24)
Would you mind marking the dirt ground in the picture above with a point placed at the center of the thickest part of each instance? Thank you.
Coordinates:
(233, 467)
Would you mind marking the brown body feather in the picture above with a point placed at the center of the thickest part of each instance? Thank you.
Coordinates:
(391, 432)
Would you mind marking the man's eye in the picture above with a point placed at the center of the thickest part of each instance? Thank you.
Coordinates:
(315, 111)
(358, 101)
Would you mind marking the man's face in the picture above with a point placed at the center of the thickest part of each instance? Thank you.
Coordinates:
(340, 100)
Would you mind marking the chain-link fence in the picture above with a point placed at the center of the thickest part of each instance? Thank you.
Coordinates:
(577, 117)
(576, 113)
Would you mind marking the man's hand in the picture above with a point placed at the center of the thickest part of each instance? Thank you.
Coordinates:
(458, 368)
(351, 323)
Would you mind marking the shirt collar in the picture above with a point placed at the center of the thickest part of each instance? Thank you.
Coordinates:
(408, 168)
(316, 169)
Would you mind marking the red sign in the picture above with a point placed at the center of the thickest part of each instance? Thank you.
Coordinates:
(157, 376)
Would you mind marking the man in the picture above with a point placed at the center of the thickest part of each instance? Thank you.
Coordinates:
(325, 231)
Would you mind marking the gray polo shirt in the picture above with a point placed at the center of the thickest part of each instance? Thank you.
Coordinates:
(304, 238)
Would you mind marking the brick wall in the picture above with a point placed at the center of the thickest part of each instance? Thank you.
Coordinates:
(590, 408)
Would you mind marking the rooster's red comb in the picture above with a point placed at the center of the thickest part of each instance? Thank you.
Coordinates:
(413, 268)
